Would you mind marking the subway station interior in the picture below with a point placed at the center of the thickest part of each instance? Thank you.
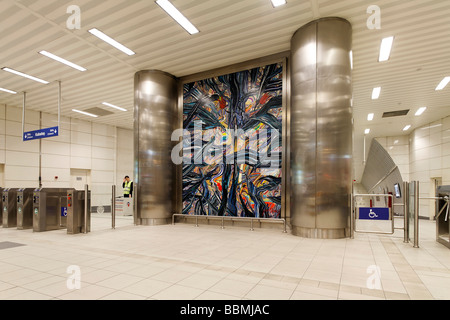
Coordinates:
(274, 149)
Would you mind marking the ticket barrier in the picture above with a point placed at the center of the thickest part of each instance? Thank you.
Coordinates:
(442, 216)
(78, 211)
(49, 209)
(25, 208)
(9, 202)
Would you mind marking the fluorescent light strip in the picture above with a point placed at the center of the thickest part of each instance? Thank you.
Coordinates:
(385, 49)
(64, 61)
(170, 9)
(277, 3)
(85, 113)
(376, 93)
(25, 75)
(406, 128)
(370, 116)
(9, 91)
(351, 59)
(443, 83)
(420, 111)
(367, 131)
(113, 106)
(111, 41)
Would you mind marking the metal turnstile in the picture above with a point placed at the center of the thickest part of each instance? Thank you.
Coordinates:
(9, 203)
(49, 209)
(25, 208)
(442, 215)
(78, 211)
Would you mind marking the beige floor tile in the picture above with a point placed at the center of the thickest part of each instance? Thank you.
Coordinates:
(119, 281)
(177, 292)
(264, 292)
(120, 295)
(232, 287)
(199, 281)
(209, 295)
(89, 292)
(299, 295)
(320, 291)
(147, 287)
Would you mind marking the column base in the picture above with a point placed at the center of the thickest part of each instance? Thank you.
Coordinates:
(320, 233)
(154, 222)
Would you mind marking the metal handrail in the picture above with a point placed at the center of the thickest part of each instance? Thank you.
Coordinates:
(223, 218)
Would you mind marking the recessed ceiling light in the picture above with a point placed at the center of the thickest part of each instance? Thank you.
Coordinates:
(443, 84)
(367, 131)
(277, 3)
(85, 113)
(385, 49)
(170, 9)
(351, 59)
(406, 128)
(113, 106)
(64, 61)
(370, 116)
(9, 91)
(420, 111)
(111, 41)
(376, 93)
(25, 75)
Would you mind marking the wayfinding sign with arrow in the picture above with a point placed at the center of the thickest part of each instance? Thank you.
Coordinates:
(40, 134)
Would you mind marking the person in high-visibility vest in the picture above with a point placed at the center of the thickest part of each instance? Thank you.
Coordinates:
(127, 186)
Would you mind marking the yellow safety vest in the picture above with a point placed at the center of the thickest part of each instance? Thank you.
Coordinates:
(126, 189)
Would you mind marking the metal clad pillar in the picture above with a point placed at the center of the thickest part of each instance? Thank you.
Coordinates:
(321, 129)
(155, 119)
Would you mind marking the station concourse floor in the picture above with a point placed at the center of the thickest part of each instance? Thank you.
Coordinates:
(185, 262)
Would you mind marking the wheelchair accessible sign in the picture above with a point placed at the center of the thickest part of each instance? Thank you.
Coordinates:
(374, 213)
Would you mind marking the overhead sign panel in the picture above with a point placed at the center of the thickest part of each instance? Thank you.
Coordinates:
(40, 134)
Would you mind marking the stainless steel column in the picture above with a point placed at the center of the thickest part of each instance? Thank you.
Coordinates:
(321, 129)
(155, 118)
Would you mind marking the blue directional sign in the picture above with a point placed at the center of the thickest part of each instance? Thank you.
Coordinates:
(40, 134)
(374, 213)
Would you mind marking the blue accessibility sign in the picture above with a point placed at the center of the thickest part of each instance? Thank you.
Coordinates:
(63, 211)
(374, 213)
(40, 134)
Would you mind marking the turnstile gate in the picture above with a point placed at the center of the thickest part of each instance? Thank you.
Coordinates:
(9, 202)
(25, 208)
(49, 209)
(78, 211)
(442, 215)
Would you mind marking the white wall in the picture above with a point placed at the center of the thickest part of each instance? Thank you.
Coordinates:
(422, 156)
(430, 158)
(80, 145)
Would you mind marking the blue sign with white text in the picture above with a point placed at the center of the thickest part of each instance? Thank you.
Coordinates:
(63, 211)
(374, 213)
(40, 134)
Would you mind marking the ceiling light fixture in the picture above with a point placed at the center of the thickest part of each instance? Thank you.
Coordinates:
(85, 113)
(420, 111)
(443, 84)
(277, 3)
(111, 41)
(367, 131)
(407, 127)
(113, 106)
(385, 49)
(9, 91)
(376, 93)
(64, 61)
(351, 59)
(25, 75)
(170, 9)
(370, 116)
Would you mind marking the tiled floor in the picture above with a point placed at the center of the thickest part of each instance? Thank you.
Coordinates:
(185, 262)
